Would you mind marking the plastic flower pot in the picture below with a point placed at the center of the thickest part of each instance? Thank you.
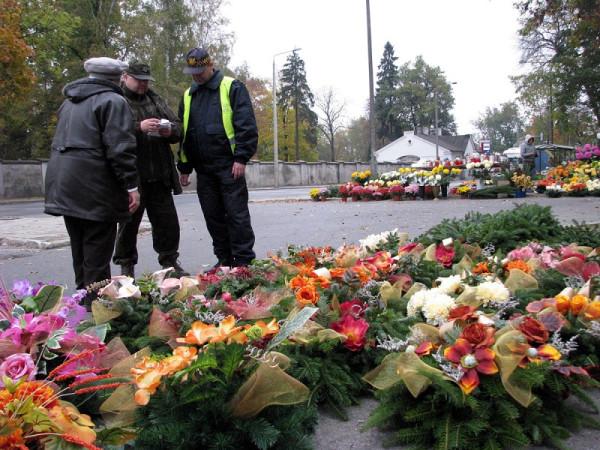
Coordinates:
(444, 189)
(520, 193)
(396, 196)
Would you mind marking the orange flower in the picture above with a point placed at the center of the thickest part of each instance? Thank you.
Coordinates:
(307, 295)
(592, 311)
(40, 393)
(338, 272)
(299, 281)
(382, 261)
(562, 303)
(578, 303)
(72, 422)
(481, 268)
(364, 274)
(199, 334)
(534, 330)
(544, 352)
(5, 398)
(471, 361)
(517, 264)
(479, 335)
(424, 348)
(13, 441)
(268, 328)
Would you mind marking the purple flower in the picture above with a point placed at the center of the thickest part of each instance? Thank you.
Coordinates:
(17, 366)
(29, 330)
(22, 289)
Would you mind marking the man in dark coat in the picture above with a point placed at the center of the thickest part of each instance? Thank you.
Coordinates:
(91, 176)
(220, 136)
(156, 127)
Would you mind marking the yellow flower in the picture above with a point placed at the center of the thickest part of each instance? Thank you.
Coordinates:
(72, 422)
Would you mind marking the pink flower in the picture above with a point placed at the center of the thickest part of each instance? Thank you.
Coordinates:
(355, 308)
(17, 366)
(524, 253)
(354, 330)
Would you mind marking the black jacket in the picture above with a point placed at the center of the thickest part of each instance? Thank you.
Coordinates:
(206, 144)
(92, 162)
(155, 160)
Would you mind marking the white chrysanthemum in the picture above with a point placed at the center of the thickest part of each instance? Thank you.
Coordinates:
(437, 307)
(492, 291)
(416, 302)
(449, 285)
(374, 240)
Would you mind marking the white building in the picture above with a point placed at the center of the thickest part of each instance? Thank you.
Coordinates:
(419, 148)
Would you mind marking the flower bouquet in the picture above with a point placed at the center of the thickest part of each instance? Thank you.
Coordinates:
(396, 192)
(319, 194)
(522, 182)
(554, 190)
(411, 191)
(361, 176)
(356, 193)
(576, 189)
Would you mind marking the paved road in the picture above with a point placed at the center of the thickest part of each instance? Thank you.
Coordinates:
(279, 218)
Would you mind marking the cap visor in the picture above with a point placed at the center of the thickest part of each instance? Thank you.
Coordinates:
(142, 77)
(193, 70)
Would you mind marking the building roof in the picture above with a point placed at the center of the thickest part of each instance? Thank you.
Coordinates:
(452, 143)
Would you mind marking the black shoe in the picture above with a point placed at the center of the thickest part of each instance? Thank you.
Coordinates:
(128, 270)
(222, 263)
(176, 270)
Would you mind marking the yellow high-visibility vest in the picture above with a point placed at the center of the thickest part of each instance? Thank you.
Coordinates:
(226, 114)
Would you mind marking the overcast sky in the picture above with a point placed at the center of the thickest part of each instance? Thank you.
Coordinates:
(474, 42)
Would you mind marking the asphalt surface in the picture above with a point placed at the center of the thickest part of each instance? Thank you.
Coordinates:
(35, 246)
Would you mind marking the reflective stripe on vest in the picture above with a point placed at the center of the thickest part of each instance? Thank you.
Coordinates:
(226, 114)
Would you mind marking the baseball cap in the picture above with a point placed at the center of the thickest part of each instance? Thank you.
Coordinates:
(139, 71)
(196, 60)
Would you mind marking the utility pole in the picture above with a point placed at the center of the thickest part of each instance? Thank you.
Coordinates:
(437, 135)
(373, 161)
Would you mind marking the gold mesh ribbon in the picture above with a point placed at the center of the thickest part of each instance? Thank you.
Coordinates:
(426, 332)
(510, 349)
(103, 314)
(391, 293)
(118, 410)
(517, 279)
(430, 253)
(312, 331)
(468, 297)
(268, 385)
(473, 251)
(463, 265)
(406, 367)
(415, 288)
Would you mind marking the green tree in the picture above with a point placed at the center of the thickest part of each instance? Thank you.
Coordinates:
(386, 97)
(420, 84)
(560, 43)
(503, 126)
(296, 100)
(353, 141)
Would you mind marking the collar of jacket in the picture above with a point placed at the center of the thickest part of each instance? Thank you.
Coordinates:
(212, 84)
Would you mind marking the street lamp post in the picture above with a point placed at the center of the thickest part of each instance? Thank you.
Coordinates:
(373, 141)
(275, 133)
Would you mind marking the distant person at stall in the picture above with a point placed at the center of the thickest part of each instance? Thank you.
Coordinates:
(528, 154)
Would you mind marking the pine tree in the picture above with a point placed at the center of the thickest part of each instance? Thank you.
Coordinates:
(386, 96)
(296, 94)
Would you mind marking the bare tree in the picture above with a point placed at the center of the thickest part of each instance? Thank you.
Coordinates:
(331, 114)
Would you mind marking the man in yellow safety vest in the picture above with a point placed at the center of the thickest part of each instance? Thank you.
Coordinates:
(219, 137)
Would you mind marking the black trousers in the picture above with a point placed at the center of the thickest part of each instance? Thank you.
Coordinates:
(224, 203)
(157, 200)
(92, 244)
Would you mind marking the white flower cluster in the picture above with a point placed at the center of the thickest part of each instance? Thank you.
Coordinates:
(449, 285)
(374, 240)
(492, 291)
(555, 188)
(593, 185)
(433, 303)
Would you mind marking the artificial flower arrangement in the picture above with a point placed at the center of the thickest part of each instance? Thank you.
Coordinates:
(522, 181)
(339, 314)
(319, 194)
(47, 358)
(361, 176)
(587, 152)
(464, 189)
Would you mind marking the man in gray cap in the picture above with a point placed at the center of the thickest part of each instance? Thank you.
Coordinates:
(91, 177)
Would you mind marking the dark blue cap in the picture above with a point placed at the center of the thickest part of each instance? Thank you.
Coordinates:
(196, 60)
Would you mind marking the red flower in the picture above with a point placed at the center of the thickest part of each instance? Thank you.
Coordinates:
(462, 312)
(382, 260)
(472, 362)
(534, 330)
(354, 330)
(355, 308)
(478, 335)
(424, 348)
(444, 255)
